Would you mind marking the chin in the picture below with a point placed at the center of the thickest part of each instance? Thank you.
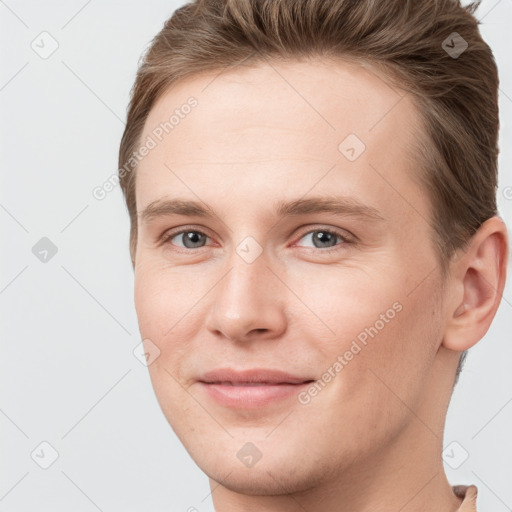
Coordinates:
(264, 479)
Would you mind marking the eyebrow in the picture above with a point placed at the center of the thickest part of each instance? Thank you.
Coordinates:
(349, 206)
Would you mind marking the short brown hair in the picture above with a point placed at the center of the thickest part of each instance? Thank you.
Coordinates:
(409, 40)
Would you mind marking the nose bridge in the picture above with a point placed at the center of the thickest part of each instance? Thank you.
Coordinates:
(243, 286)
(246, 299)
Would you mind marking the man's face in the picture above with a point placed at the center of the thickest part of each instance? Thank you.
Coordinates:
(248, 288)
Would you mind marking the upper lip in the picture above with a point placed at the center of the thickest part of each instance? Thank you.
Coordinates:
(262, 375)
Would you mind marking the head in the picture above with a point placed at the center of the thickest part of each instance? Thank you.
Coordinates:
(292, 120)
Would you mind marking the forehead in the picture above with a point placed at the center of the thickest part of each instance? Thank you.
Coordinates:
(281, 123)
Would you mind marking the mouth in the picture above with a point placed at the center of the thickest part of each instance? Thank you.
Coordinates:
(264, 376)
(228, 383)
(251, 388)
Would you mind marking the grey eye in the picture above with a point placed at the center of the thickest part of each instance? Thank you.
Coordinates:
(191, 239)
(323, 238)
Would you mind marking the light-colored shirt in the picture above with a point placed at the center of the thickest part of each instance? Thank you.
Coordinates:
(469, 494)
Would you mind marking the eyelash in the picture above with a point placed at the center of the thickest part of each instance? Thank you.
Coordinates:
(345, 239)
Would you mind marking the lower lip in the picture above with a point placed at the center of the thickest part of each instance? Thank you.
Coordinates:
(249, 397)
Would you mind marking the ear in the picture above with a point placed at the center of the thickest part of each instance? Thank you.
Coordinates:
(477, 279)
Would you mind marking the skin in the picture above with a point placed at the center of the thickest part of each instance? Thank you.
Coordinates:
(372, 438)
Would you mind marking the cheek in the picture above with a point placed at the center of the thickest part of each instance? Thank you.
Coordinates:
(159, 310)
(162, 297)
(385, 362)
(373, 322)
(339, 305)
(398, 350)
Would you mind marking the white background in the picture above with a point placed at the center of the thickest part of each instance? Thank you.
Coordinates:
(68, 327)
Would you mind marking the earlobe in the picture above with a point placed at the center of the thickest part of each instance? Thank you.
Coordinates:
(481, 279)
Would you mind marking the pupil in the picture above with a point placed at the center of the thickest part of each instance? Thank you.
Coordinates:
(323, 237)
(192, 237)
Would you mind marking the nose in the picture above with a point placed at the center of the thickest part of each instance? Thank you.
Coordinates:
(248, 302)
